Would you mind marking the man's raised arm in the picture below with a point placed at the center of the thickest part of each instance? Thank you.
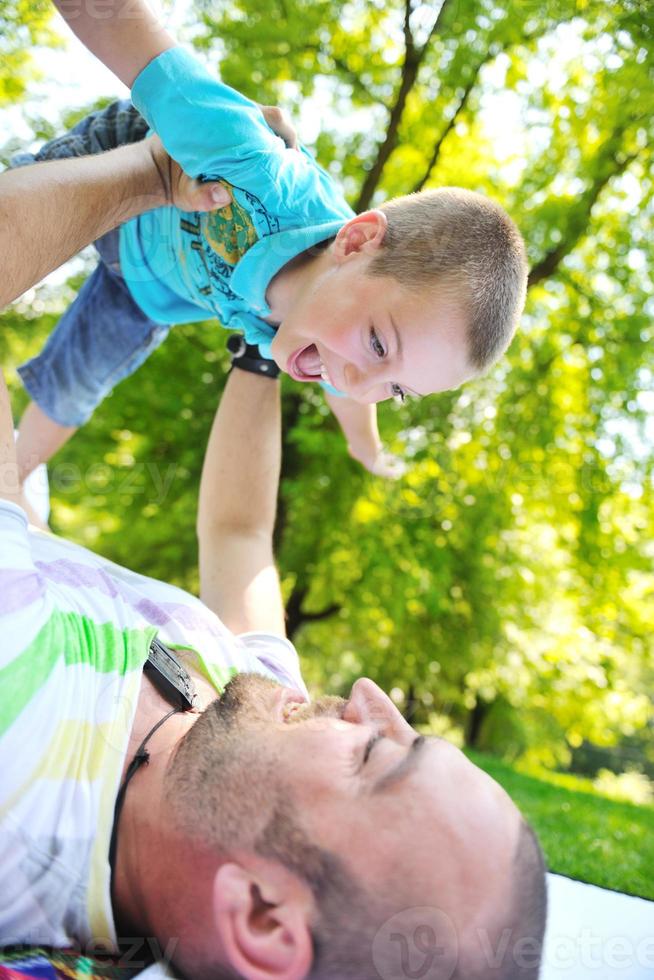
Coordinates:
(238, 502)
(49, 211)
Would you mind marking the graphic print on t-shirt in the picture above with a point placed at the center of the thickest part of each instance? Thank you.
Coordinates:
(221, 238)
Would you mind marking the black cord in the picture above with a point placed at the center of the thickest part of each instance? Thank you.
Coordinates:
(141, 757)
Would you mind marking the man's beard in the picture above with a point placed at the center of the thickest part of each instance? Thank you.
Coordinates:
(227, 776)
(247, 698)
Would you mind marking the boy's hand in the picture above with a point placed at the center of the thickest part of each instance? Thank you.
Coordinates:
(281, 124)
(359, 425)
(380, 462)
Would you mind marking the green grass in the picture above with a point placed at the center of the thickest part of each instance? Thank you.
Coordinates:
(583, 834)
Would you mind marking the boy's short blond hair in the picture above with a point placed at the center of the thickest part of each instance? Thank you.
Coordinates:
(456, 239)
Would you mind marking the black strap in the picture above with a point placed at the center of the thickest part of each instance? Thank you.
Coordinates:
(248, 357)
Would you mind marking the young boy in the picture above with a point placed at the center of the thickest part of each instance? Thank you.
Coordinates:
(414, 297)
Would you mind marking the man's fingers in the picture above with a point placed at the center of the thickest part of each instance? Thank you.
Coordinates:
(215, 194)
(186, 193)
(202, 196)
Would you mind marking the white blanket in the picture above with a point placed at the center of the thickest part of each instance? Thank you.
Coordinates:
(595, 934)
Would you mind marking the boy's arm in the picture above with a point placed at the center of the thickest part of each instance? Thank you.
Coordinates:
(124, 34)
(209, 128)
(359, 425)
(237, 507)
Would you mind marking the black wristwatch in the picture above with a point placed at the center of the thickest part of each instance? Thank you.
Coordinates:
(248, 357)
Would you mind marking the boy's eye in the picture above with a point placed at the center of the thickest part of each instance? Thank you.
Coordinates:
(376, 345)
(398, 392)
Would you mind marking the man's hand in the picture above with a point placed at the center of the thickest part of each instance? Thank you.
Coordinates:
(49, 211)
(280, 123)
(181, 190)
(188, 194)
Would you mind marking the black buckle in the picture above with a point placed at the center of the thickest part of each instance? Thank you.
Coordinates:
(171, 679)
(248, 357)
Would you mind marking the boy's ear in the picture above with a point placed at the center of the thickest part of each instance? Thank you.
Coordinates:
(365, 232)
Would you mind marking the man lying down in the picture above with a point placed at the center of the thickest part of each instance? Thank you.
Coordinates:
(163, 774)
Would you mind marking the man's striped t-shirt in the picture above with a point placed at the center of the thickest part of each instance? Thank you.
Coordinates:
(76, 631)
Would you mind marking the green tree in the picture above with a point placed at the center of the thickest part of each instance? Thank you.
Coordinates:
(22, 25)
(503, 588)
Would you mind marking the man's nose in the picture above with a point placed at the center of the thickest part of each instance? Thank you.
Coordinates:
(369, 705)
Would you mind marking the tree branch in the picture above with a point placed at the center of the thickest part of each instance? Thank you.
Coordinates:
(610, 164)
(463, 101)
(295, 617)
(494, 50)
(409, 46)
(413, 58)
(352, 77)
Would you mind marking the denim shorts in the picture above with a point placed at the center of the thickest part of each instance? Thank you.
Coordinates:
(104, 335)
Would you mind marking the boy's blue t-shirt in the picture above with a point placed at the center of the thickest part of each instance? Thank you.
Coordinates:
(185, 266)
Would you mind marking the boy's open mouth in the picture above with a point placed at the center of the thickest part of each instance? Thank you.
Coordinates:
(306, 365)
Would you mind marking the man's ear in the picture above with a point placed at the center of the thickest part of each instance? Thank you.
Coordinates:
(365, 232)
(261, 915)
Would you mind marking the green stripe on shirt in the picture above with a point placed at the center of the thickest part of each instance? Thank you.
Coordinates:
(75, 639)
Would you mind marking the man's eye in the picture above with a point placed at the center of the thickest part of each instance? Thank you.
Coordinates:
(370, 744)
(376, 345)
(398, 392)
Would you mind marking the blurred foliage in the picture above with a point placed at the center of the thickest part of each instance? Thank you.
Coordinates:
(22, 25)
(503, 589)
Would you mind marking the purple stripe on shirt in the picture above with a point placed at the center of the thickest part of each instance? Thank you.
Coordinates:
(18, 588)
(73, 574)
(190, 617)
